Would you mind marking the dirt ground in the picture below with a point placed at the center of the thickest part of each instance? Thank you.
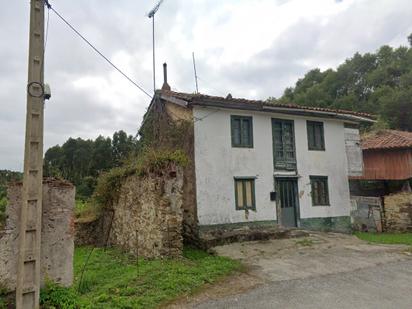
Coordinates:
(319, 254)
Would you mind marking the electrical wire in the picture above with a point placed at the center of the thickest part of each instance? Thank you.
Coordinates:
(95, 49)
(47, 30)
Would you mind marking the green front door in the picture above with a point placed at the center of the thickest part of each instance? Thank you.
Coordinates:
(287, 190)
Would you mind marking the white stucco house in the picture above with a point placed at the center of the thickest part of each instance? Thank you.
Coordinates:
(257, 163)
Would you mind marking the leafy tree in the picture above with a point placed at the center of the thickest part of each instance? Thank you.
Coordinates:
(123, 145)
(82, 161)
(379, 83)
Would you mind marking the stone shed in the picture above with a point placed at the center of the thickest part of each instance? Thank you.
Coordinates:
(57, 233)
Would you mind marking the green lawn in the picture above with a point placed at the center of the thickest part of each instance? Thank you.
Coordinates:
(386, 238)
(116, 280)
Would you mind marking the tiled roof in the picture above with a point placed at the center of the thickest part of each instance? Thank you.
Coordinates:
(387, 139)
(203, 99)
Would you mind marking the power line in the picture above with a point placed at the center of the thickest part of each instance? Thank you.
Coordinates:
(95, 49)
(47, 30)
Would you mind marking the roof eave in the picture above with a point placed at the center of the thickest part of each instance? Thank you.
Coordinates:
(284, 110)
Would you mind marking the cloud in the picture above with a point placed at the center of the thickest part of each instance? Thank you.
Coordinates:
(248, 48)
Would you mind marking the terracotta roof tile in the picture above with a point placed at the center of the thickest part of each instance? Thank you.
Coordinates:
(197, 98)
(387, 139)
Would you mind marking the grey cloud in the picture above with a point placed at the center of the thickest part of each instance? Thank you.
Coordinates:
(121, 26)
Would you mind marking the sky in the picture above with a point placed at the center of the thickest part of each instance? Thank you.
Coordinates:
(249, 48)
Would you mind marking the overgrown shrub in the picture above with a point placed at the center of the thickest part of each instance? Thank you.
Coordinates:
(150, 161)
(86, 211)
(55, 296)
(3, 204)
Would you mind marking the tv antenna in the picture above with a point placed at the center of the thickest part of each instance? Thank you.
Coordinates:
(151, 15)
(194, 69)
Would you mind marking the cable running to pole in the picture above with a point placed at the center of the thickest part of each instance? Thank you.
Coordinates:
(95, 49)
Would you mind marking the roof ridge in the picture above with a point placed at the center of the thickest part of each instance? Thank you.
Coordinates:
(191, 96)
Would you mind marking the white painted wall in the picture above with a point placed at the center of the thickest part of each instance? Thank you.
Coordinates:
(217, 163)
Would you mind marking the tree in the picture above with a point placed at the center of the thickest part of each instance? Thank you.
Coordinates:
(378, 83)
(81, 161)
(123, 145)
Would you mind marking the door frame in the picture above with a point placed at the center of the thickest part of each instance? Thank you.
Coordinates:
(278, 206)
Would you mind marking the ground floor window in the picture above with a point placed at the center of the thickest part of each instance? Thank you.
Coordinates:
(320, 191)
(245, 193)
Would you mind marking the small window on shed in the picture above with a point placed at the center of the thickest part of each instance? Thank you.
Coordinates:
(242, 131)
(245, 193)
(320, 190)
(316, 138)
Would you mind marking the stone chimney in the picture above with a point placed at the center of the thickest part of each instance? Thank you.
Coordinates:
(165, 84)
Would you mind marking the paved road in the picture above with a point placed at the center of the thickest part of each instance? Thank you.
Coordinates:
(385, 286)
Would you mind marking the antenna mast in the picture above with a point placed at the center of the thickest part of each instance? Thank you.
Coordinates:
(194, 68)
(151, 15)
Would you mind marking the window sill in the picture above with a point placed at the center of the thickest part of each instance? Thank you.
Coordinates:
(321, 205)
(239, 146)
(316, 149)
(252, 209)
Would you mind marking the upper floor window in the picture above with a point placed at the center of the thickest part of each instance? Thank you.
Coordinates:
(316, 138)
(284, 154)
(242, 131)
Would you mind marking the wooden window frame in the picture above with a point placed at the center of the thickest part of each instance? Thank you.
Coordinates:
(325, 180)
(284, 164)
(243, 180)
(242, 144)
(311, 129)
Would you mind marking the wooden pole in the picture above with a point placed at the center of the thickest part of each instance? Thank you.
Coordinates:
(28, 265)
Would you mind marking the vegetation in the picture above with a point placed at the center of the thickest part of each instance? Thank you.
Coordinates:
(379, 83)
(386, 238)
(305, 242)
(6, 176)
(149, 161)
(112, 279)
(81, 161)
(55, 296)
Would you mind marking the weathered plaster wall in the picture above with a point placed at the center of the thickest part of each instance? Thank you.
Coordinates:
(217, 162)
(398, 212)
(353, 152)
(190, 223)
(366, 213)
(57, 234)
(170, 126)
(148, 216)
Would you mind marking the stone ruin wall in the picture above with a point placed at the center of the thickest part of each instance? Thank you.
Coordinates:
(146, 220)
(398, 212)
(57, 234)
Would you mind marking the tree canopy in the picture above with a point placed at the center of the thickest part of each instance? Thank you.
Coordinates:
(81, 161)
(379, 83)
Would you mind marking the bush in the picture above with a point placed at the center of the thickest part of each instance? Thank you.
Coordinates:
(3, 204)
(86, 211)
(55, 296)
(150, 161)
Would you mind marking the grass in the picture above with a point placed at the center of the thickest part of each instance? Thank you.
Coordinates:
(116, 280)
(86, 211)
(386, 238)
(305, 242)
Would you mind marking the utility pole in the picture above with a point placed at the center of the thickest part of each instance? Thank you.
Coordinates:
(28, 265)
